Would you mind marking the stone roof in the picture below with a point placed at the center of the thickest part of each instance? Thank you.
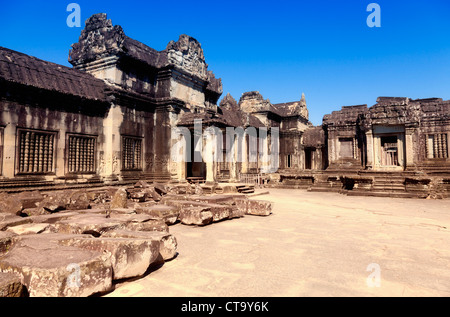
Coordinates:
(347, 115)
(30, 71)
(100, 39)
(228, 114)
(314, 136)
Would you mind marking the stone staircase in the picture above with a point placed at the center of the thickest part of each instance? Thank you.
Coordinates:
(245, 188)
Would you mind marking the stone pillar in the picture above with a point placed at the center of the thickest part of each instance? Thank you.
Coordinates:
(244, 149)
(370, 158)
(401, 150)
(233, 157)
(9, 150)
(60, 143)
(110, 162)
(209, 155)
(409, 132)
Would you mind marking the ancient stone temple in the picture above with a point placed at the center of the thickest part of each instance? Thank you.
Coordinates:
(127, 112)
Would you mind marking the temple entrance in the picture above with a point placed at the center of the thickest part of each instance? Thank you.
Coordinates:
(389, 151)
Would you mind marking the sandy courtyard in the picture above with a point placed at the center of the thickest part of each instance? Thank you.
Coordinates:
(314, 244)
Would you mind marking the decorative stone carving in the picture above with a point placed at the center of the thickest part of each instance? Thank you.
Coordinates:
(98, 39)
(187, 54)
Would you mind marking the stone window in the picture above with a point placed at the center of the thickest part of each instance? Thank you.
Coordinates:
(289, 161)
(437, 145)
(131, 153)
(81, 154)
(36, 152)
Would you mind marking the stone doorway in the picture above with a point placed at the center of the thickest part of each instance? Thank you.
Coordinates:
(308, 158)
(193, 167)
(389, 151)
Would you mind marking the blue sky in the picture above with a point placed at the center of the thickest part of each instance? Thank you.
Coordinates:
(322, 48)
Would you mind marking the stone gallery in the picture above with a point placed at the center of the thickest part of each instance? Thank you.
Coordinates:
(131, 140)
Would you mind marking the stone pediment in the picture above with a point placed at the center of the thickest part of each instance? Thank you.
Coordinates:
(187, 54)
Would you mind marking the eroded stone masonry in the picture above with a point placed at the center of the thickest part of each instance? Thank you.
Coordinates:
(87, 157)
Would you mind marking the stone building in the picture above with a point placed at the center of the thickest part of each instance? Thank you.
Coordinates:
(126, 112)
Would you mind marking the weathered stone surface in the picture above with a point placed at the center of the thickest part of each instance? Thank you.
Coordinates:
(86, 224)
(168, 213)
(6, 240)
(130, 257)
(29, 228)
(119, 199)
(8, 220)
(10, 204)
(167, 242)
(10, 285)
(152, 193)
(122, 211)
(151, 225)
(241, 204)
(259, 207)
(236, 212)
(199, 216)
(54, 201)
(79, 199)
(53, 218)
(30, 199)
(136, 194)
(132, 217)
(161, 189)
(219, 211)
(49, 269)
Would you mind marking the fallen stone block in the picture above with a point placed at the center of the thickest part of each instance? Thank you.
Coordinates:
(130, 257)
(241, 204)
(226, 199)
(52, 218)
(30, 199)
(54, 201)
(10, 204)
(141, 184)
(121, 211)
(167, 242)
(218, 211)
(126, 218)
(119, 199)
(168, 213)
(161, 189)
(49, 269)
(236, 212)
(199, 216)
(29, 228)
(8, 220)
(259, 207)
(10, 285)
(151, 225)
(93, 224)
(137, 194)
(78, 199)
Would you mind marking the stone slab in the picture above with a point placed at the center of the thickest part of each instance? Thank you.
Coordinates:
(49, 269)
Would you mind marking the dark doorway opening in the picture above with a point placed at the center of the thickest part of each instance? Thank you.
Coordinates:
(193, 168)
(308, 158)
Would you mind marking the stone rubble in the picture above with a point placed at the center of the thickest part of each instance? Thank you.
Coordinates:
(78, 242)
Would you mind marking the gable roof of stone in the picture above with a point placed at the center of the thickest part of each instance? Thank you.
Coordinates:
(30, 71)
